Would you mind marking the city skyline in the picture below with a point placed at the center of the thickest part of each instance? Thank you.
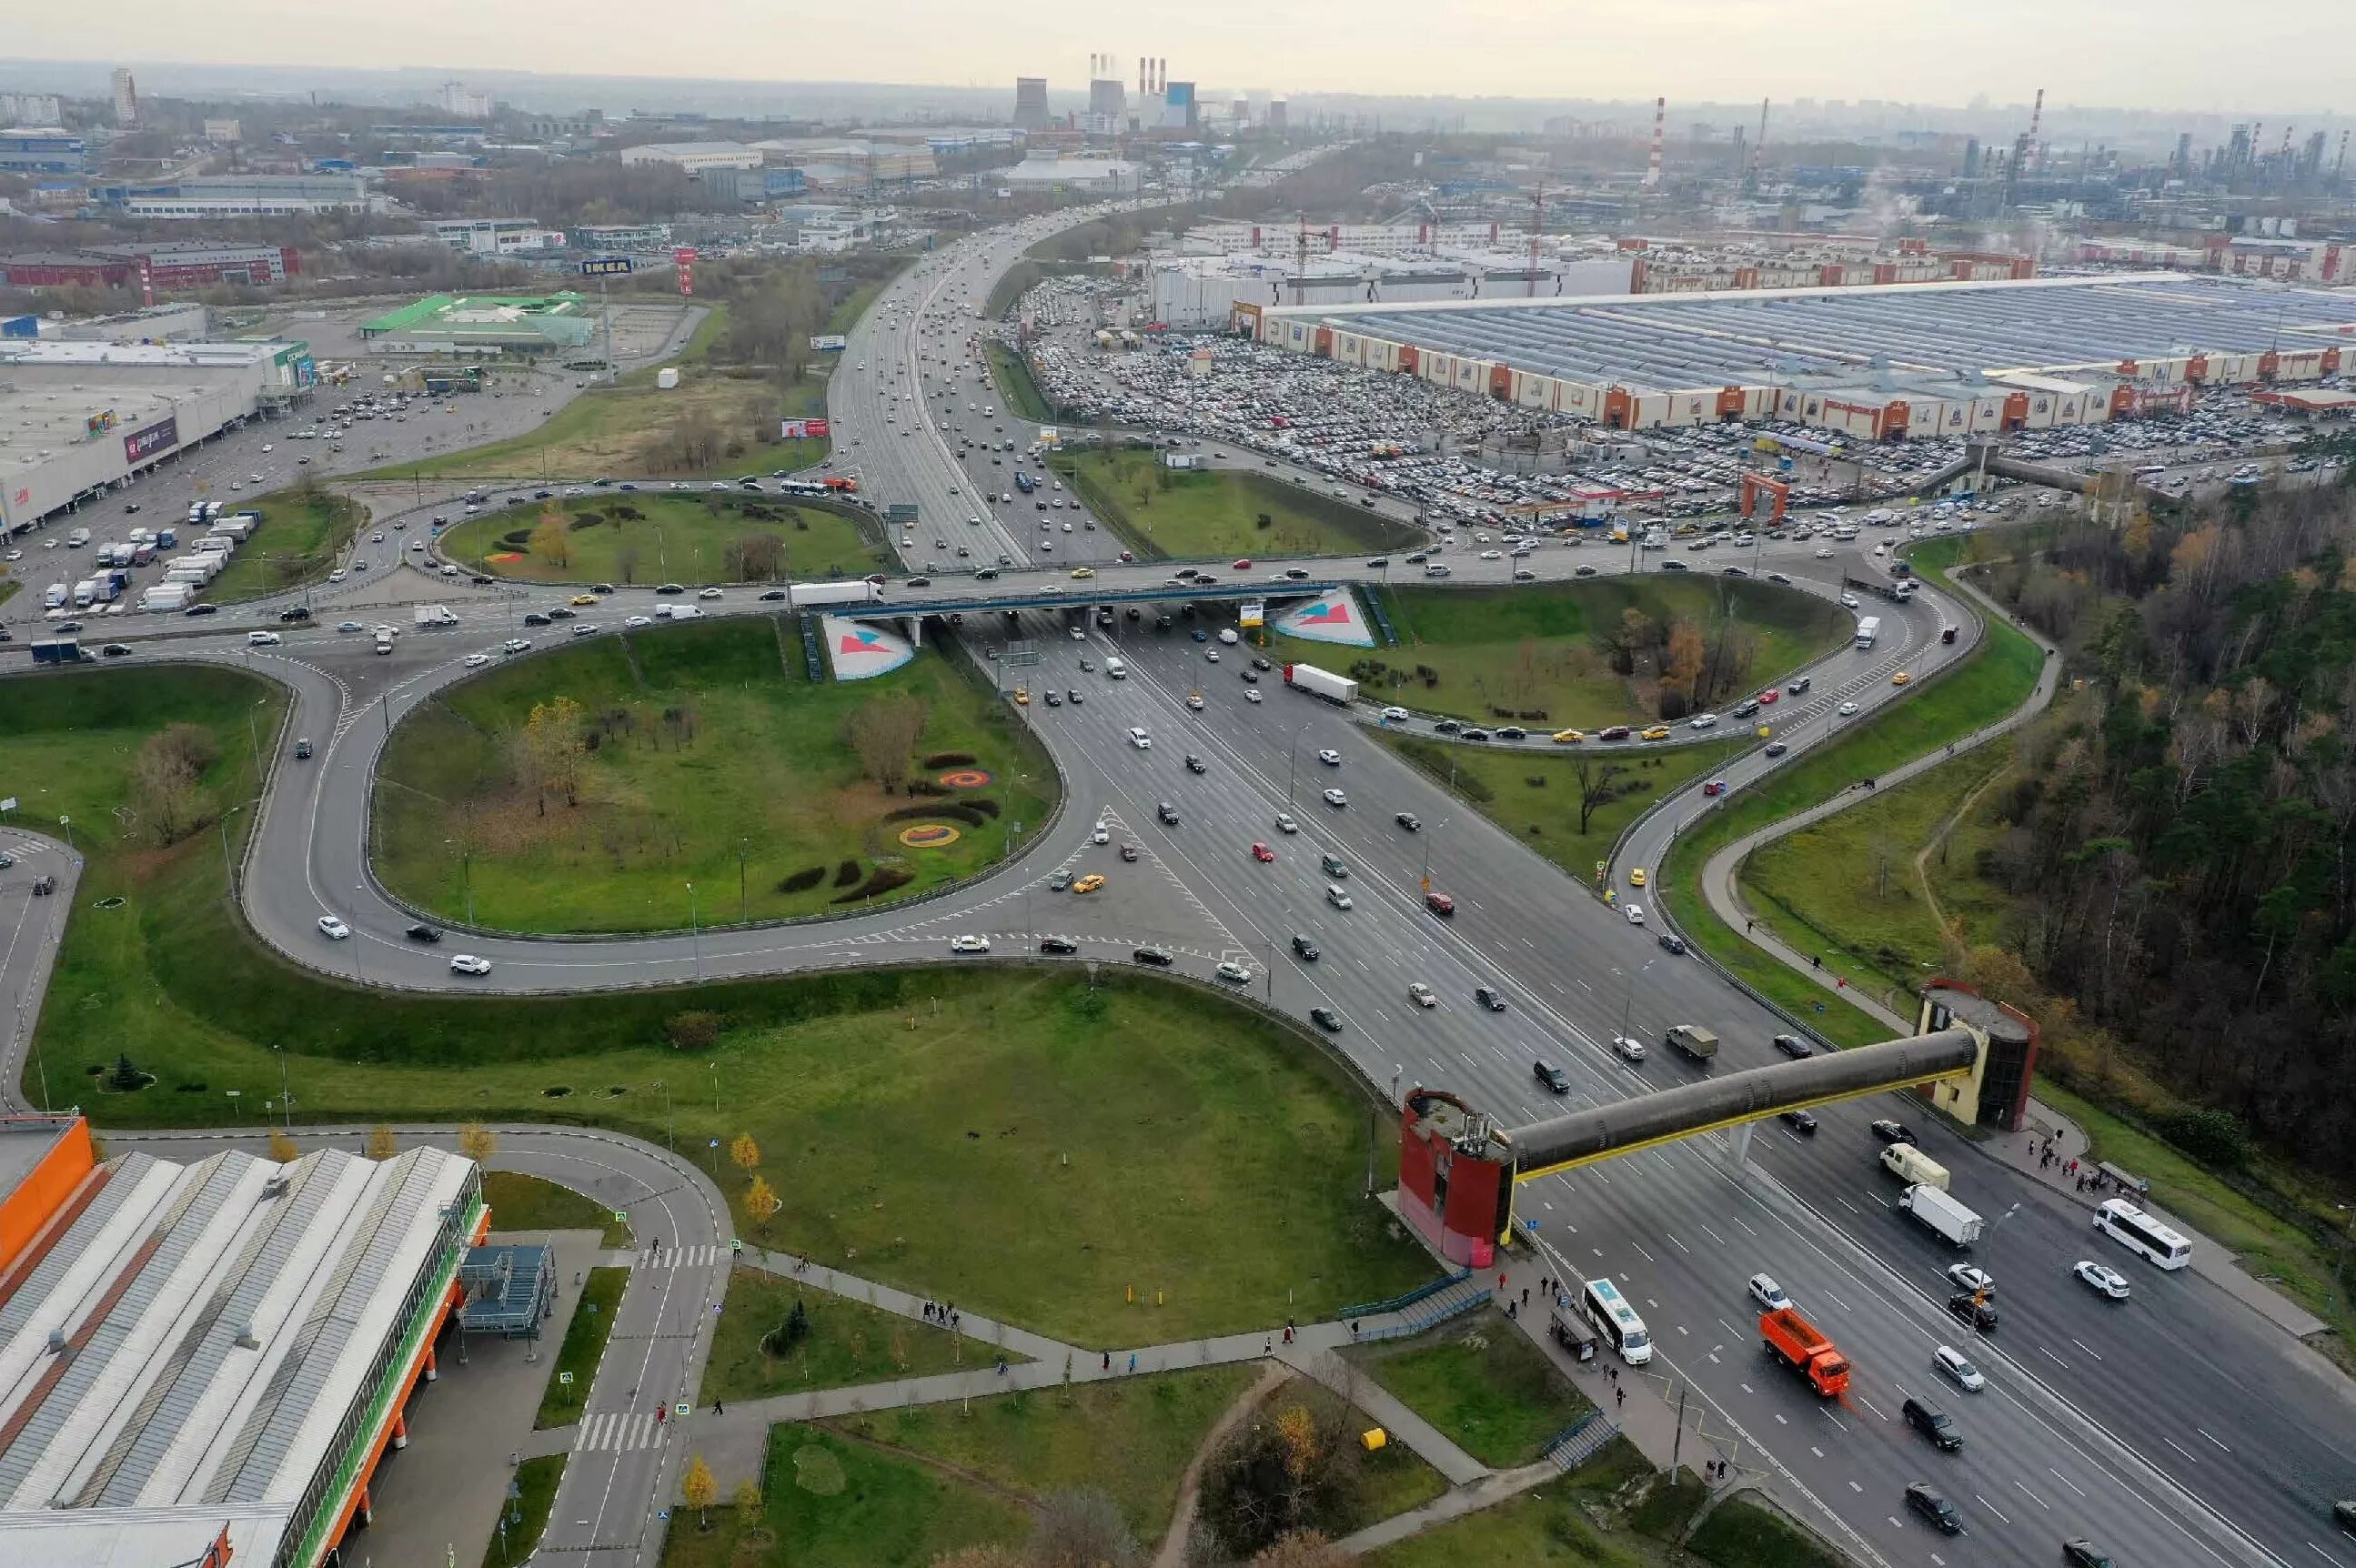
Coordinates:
(1704, 50)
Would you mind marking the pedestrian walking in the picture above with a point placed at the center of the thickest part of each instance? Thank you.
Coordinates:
(1108, 1361)
(718, 1408)
(1817, 962)
(1265, 1345)
(1001, 1366)
(1133, 1361)
(1619, 1396)
(1526, 1295)
(660, 1412)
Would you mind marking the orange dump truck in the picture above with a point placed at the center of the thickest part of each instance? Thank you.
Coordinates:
(1793, 1340)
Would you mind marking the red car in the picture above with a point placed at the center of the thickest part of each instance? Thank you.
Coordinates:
(1263, 853)
(1769, 695)
(1715, 786)
(1440, 904)
(1244, 565)
(1127, 556)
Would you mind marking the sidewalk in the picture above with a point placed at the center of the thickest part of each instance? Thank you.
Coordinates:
(1430, 1443)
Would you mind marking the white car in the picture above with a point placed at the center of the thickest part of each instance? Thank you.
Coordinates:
(1330, 757)
(1636, 913)
(1845, 709)
(1629, 1047)
(1103, 835)
(468, 963)
(1251, 694)
(1337, 799)
(1767, 1294)
(1957, 1369)
(333, 929)
(1824, 555)
(1704, 722)
(1284, 823)
(262, 639)
(2102, 1278)
(1491, 555)
(639, 621)
(1231, 970)
(1395, 715)
(709, 594)
(1970, 1277)
(969, 945)
(266, 446)
(377, 538)
(1422, 996)
(515, 646)
(1848, 601)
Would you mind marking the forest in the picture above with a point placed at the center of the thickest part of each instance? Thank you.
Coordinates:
(2180, 856)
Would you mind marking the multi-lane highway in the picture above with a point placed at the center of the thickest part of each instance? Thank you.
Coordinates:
(2174, 1428)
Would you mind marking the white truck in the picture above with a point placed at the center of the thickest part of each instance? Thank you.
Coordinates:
(435, 615)
(1941, 1214)
(85, 592)
(808, 595)
(240, 528)
(1115, 669)
(1867, 630)
(213, 544)
(78, 539)
(1322, 683)
(167, 598)
(54, 595)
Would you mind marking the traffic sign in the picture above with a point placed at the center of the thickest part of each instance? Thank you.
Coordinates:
(607, 267)
(735, 1245)
(564, 1377)
(621, 1217)
(682, 1408)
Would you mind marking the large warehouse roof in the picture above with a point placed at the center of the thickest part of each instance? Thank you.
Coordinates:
(202, 1345)
(1671, 341)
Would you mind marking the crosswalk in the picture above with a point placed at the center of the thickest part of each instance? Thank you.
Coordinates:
(683, 1257)
(616, 1432)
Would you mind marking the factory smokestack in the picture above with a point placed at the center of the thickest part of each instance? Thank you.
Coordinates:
(1660, 121)
(1141, 76)
(2036, 117)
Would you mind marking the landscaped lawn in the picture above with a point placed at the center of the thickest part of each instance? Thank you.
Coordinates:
(828, 1499)
(632, 430)
(526, 1517)
(674, 537)
(1543, 1527)
(1482, 1382)
(1529, 652)
(585, 1346)
(520, 1202)
(1033, 1147)
(1211, 513)
(848, 1342)
(1017, 387)
(1131, 1439)
(1390, 1481)
(1534, 795)
(711, 760)
(1742, 1534)
(304, 533)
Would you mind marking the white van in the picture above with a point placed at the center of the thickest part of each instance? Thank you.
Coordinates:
(1140, 738)
(1914, 1167)
(1227, 635)
(1115, 669)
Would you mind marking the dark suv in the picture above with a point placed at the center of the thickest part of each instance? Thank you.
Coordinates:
(1923, 1498)
(1304, 949)
(1489, 998)
(1167, 813)
(1554, 1078)
(1934, 1423)
(1969, 1308)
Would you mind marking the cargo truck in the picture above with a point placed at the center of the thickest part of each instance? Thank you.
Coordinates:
(85, 593)
(1322, 683)
(54, 595)
(1799, 1345)
(240, 528)
(810, 596)
(1941, 1214)
(58, 650)
(78, 539)
(1692, 1039)
(1867, 630)
(167, 598)
(435, 615)
(1913, 1167)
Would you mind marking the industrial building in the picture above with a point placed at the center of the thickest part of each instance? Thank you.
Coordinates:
(212, 1357)
(694, 156)
(1036, 174)
(619, 239)
(240, 196)
(1871, 363)
(484, 324)
(1031, 103)
(754, 187)
(170, 265)
(840, 165)
(1198, 290)
(1806, 261)
(77, 418)
(44, 150)
(494, 236)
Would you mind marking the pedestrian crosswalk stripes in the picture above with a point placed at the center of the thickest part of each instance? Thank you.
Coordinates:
(614, 1432)
(683, 1257)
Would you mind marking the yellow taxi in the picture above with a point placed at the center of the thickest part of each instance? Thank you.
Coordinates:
(1568, 737)
(1021, 697)
(1657, 733)
(1900, 678)
(582, 599)
(1088, 883)
(1635, 876)
(1082, 573)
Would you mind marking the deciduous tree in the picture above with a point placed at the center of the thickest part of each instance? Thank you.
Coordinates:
(700, 1489)
(744, 1152)
(380, 1142)
(883, 733)
(761, 1202)
(282, 1148)
(478, 1142)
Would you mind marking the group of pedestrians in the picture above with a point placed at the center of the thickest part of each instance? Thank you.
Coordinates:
(2083, 1176)
(943, 1314)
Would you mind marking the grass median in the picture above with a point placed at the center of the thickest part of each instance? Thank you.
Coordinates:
(520, 1202)
(1186, 514)
(569, 1380)
(699, 755)
(524, 1517)
(1535, 653)
(1016, 385)
(303, 532)
(1482, 1383)
(1121, 1161)
(630, 537)
(758, 1350)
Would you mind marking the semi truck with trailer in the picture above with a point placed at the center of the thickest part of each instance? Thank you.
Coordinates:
(1941, 1215)
(1693, 1040)
(1322, 683)
(810, 595)
(1800, 1346)
(58, 650)
(167, 598)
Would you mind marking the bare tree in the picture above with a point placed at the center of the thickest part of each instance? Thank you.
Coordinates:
(1599, 784)
(1081, 1529)
(884, 731)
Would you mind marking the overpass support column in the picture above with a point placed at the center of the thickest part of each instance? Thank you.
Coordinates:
(1740, 1144)
(914, 626)
(433, 1373)
(400, 1429)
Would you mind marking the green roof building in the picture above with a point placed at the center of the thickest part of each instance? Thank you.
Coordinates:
(486, 324)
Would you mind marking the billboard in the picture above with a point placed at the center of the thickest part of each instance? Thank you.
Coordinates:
(829, 342)
(796, 430)
(684, 260)
(142, 444)
(1251, 613)
(607, 267)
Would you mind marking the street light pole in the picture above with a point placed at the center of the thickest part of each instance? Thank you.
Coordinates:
(1292, 760)
(694, 942)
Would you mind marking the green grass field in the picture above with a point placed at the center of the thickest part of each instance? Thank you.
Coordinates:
(527, 1516)
(1742, 1534)
(712, 745)
(1482, 1382)
(303, 534)
(830, 1499)
(1529, 650)
(1390, 1480)
(1131, 1439)
(1543, 1527)
(848, 1342)
(675, 538)
(1545, 815)
(621, 431)
(1196, 514)
(1017, 387)
(585, 1346)
(520, 1202)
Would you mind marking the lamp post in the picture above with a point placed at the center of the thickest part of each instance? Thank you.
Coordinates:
(1628, 1005)
(1425, 884)
(694, 941)
(465, 871)
(285, 1092)
(1292, 758)
(668, 1141)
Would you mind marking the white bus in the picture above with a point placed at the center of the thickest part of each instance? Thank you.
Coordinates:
(1617, 1321)
(2139, 1232)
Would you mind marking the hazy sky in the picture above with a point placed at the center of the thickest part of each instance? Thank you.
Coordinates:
(2179, 54)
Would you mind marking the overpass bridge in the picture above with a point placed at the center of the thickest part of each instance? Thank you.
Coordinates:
(1070, 595)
